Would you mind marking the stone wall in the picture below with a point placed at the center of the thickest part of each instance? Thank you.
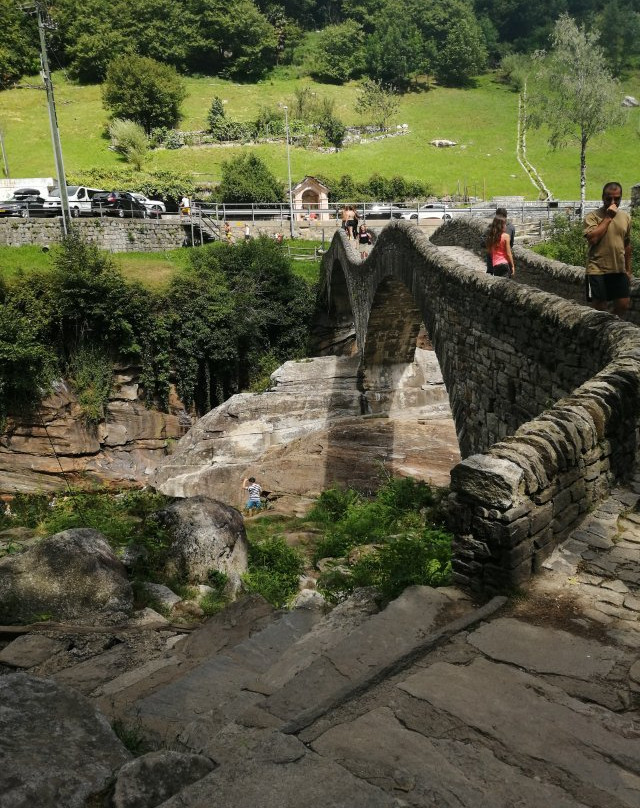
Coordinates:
(545, 394)
(115, 235)
(532, 269)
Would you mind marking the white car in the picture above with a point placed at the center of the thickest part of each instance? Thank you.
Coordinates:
(154, 207)
(425, 212)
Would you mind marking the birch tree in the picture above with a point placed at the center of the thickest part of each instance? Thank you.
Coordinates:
(575, 95)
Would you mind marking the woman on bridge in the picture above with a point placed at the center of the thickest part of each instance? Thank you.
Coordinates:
(500, 257)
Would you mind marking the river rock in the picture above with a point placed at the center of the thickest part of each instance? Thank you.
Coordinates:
(308, 433)
(153, 778)
(205, 535)
(56, 749)
(64, 576)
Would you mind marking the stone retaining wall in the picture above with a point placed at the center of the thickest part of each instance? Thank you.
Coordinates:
(532, 269)
(115, 235)
(545, 395)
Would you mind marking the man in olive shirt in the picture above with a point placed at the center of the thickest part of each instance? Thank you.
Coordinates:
(607, 231)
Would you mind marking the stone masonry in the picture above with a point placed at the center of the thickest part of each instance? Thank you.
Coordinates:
(544, 392)
(532, 269)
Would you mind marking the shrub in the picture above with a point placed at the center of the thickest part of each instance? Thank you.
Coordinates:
(90, 373)
(274, 570)
(129, 139)
(566, 242)
(246, 178)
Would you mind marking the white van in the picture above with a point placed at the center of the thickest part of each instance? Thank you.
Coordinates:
(79, 199)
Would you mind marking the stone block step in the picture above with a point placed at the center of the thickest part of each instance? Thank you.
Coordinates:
(407, 627)
(215, 685)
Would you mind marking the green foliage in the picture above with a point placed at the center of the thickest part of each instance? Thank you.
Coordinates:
(394, 52)
(463, 55)
(575, 97)
(27, 362)
(234, 305)
(338, 54)
(125, 519)
(145, 91)
(378, 102)
(274, 569)
(566, 242)
(18, 50)
(515, 68)
(129, 139)
(156, 184)
(376, 188)
(246, 178)
(399, 524)
(132, 737)
(415, 558)
(90, 372)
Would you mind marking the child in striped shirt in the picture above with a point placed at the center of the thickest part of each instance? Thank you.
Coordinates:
(254, 490)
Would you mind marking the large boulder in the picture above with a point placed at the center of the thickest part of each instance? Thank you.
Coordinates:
(205, 535)
(64, 576)
(56, 748)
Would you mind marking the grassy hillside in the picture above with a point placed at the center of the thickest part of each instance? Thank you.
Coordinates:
(482, 120)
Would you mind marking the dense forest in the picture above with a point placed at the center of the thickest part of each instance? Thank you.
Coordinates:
(387, 40)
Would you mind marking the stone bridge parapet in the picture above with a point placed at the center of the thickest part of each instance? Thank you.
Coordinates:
(544, 392)
(532, 269)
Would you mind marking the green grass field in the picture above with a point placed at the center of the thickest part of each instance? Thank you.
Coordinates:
(481, 120)
(153, 270)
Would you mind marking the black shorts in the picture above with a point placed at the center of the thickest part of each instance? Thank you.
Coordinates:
(500, 270)
(612, 286)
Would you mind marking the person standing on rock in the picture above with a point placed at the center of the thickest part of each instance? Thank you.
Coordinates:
(608, 233)
(254, 490)
(499, 255)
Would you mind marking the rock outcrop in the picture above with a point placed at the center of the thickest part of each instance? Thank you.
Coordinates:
(205, 535)
(65, 576)
(151, 779)
(56, 748)
(308, 432)
(121, 450)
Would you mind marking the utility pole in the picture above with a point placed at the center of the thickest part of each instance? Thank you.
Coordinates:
(286, 127)
(43, 23)
(4, 155)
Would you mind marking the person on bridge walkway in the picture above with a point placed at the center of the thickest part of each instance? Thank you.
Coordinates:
(499, 255)
(365, 241)
(608, 233)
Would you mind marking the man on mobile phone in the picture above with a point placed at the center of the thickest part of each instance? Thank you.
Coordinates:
(608, 233)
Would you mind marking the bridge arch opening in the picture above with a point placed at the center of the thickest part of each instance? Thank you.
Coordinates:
(400, 370)
(334, 331)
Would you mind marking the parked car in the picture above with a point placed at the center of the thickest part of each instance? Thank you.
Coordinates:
(154, 206)
(430, 211)
(25, 205)
(380, 210)
(79, 197)
(118, 203)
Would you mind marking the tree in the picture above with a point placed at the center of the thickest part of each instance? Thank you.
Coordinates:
(575, 95)
(378, 102)
(129, 139)
(464, 53)
(338, 53)
(144, 91)
(394, 52)
(246, 178)
(18, 53)
(619, 28)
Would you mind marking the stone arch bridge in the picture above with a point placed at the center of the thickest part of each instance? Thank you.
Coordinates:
(544, 391)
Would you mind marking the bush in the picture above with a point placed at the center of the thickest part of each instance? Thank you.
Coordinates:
(274, 570)
(129, 139)
(401, 521)
(246, 178)
(566, 242)
(91, 373)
